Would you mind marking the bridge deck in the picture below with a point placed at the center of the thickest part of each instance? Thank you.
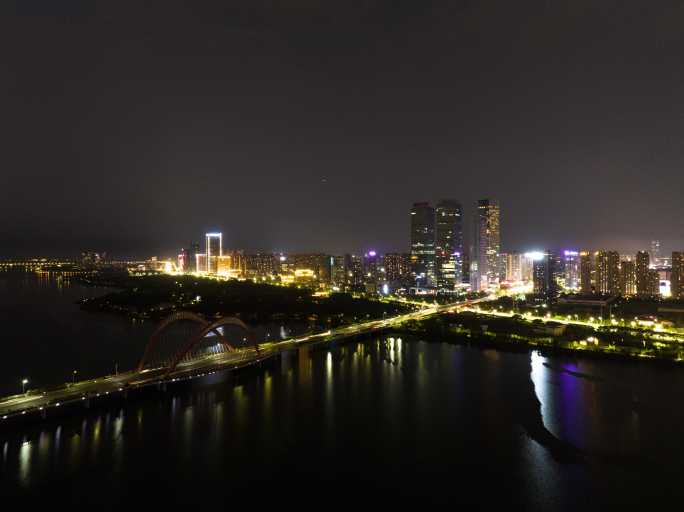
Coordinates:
(39, 402)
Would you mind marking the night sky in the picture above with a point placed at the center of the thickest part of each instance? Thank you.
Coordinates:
(290, 126)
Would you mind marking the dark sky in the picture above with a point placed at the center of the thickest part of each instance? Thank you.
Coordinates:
(292, 126)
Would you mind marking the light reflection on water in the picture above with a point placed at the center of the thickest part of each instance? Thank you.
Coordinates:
(408, 408)
(539, 378)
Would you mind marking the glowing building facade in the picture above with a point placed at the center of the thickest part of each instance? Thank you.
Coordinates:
(514, 264)
(643, 277)
(488, 243)
(608, 273)
(214, 249)
(423, 244)
(628, 277)
(586, 272)
(448, 243)
(571, 270)
(545, 274)
(677, 276)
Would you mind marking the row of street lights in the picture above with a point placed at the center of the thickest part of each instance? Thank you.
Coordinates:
(25, 381)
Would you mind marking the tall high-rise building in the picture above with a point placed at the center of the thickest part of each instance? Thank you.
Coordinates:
(608, 273)
(448, 243)
(355, 273)
(372, 268)
(653, 283)
(677, 276)
(192, 252)
(514, 267)
(527, 267)
(655, 252)
(201, 262)
(465, 267)
(488, 238)
(643, 278)
(261, 265)
(397, 268)
(545, 274)
(571, 269)
(586, 271)
(182, 264)
(423, 244)
(318, 263)
(214, 243)
(628, 277)
(339, 266)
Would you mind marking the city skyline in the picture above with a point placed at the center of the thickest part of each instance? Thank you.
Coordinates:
(467, 238)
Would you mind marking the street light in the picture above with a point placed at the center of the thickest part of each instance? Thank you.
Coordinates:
(73, 378)
(23, 385)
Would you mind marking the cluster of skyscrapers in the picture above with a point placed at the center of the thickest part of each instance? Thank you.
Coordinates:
(608, 273)
(440, 263)
(439, 260)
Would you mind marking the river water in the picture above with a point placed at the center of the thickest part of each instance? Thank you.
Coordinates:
(383, 421)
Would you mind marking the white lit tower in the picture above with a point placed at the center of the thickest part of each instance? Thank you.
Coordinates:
(214, 251)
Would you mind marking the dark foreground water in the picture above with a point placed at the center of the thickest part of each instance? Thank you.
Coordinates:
(370, 423)
(46, 336)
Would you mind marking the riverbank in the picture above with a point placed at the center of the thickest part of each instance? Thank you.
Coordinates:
(519, 335)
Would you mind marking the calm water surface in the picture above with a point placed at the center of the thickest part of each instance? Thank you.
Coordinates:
(375, 422)
(46, 336)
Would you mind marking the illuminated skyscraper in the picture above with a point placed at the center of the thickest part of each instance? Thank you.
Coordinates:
(655, 252)
(316, 262)
(653, 283)
(571, 269)
(423, 244)
(371, 268)
(488, 238)
(545, 274)
(397, 268)
(261, 265)
(201, 262)
(192, 256)
(355, 273)
(608, 273)
(586, 271)
(643, 278)
(339, 267)
(465, 266)
(628, 277)
(448, 243)
(677, 276)
(514, 267)
(527, 267)
(214, 244)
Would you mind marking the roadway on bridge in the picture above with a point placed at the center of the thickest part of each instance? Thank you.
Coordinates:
(40, 401)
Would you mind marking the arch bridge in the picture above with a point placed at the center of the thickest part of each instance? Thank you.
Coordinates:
(185, 336)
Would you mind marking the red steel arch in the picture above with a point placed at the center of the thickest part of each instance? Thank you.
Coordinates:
(180, 316)
(197, 339)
